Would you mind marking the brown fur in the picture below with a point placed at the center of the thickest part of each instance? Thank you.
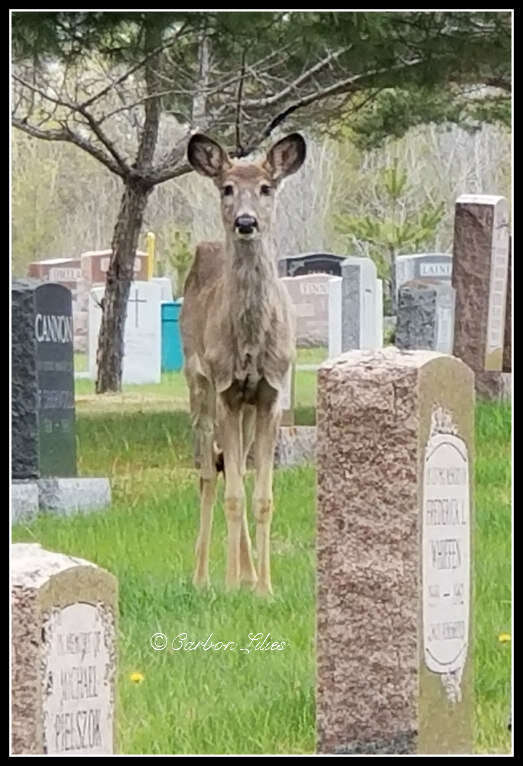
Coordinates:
(237, 329)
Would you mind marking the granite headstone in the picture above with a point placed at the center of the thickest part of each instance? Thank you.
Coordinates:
(395, 521)
(425, 316)
(310, 263)
(64, 613)
(43, 413)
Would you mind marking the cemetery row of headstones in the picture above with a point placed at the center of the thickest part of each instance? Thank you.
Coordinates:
(152, 342)
(394, 674)
(43, 453)
(341, 308)
(80, 275)
(466, 310)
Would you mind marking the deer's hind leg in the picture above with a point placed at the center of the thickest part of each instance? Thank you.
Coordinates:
(203, 406)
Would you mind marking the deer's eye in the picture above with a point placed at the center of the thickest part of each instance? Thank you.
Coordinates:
(265, 190)
(228, 189)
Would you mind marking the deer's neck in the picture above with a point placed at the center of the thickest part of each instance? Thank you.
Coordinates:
(251, 279)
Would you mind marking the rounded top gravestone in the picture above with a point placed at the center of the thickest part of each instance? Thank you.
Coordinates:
(64, 612)
(43, 413)
(310, 263)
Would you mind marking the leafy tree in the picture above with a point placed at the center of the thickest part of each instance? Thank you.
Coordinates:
(129, 88)
(396, 230)
(180, 253)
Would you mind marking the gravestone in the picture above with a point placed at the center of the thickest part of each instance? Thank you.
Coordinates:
(425, 316)
(423, 266)
(335, 309)
(287, 397)
(309, 296)
(296, 445)
(310, 263)
(62, 271)
(64, 613)
(480, 276)
(507, 343)
(43, 413)
(378, 305)
(360, 296)
(165, 287)
(43, 410)
(95, 264)
(142, 336)
(394, 553)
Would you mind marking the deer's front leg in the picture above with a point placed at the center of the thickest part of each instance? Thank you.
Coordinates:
(248, 574)
(234, 498)
(268, 418)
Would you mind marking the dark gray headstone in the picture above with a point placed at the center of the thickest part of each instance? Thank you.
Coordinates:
(310, 263)
(43, 414)
(425, 317)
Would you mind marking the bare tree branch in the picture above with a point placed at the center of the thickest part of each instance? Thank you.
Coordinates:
(66, 134)
(239, 106)
(91, 121)
(150, 54)
(263, 103)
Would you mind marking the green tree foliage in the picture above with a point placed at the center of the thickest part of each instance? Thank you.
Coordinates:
(396, 230)
(180, 253)
(106, 81)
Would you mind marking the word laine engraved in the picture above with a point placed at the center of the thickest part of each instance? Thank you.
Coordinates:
(435, 269)
(51, 328)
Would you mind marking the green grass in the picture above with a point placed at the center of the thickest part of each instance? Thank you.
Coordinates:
(492, 577)
(233, 701)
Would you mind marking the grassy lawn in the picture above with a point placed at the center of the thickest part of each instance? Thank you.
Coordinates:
(233, 701)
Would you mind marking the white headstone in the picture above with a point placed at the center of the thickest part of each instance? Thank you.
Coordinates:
(142, 338)
(360, 305)
(379, 313)
(286, 393)
(334, 317)
(166, 288)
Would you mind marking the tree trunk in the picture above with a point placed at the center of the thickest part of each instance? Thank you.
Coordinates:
(109, 357)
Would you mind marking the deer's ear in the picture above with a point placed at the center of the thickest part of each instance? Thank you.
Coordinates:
(286, 157)
(207, 157)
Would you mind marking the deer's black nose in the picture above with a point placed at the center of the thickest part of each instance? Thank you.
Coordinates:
(245, 224)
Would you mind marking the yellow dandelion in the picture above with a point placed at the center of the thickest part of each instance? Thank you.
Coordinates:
(503, 638)
(136, 677)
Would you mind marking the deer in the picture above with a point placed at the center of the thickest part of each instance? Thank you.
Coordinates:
(237, 326)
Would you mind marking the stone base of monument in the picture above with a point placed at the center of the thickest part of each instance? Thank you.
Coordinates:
(69, 495)
(296, 445)
(24, 501)
(494, 386)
